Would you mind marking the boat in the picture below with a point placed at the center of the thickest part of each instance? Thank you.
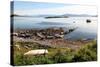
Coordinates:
(88, 20)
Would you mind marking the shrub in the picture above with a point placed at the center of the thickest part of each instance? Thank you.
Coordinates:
(62, 57)
(87, 53)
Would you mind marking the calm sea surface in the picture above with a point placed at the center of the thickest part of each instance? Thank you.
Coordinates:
(84, 30)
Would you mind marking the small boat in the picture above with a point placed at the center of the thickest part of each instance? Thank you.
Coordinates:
(88, 20)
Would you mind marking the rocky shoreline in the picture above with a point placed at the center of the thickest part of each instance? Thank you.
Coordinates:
(42, 34)
(53, 37)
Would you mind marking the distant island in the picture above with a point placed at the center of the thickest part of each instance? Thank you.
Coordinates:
(56, 17)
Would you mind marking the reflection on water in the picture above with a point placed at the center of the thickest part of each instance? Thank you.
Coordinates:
(84, 30)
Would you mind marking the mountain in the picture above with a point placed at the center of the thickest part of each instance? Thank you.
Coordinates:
(71, 15)
(56, 16)
(79, 15)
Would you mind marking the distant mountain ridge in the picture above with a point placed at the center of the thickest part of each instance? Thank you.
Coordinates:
(56, 16)
(79, 15)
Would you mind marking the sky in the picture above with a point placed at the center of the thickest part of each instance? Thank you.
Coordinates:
(42, 8)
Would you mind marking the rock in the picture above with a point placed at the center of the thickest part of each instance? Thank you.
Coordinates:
(36, 52)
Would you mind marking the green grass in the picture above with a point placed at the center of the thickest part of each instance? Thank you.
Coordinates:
(55, 55)
(86, 53)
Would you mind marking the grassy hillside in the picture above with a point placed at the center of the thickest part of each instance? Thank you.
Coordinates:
(55, 55)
